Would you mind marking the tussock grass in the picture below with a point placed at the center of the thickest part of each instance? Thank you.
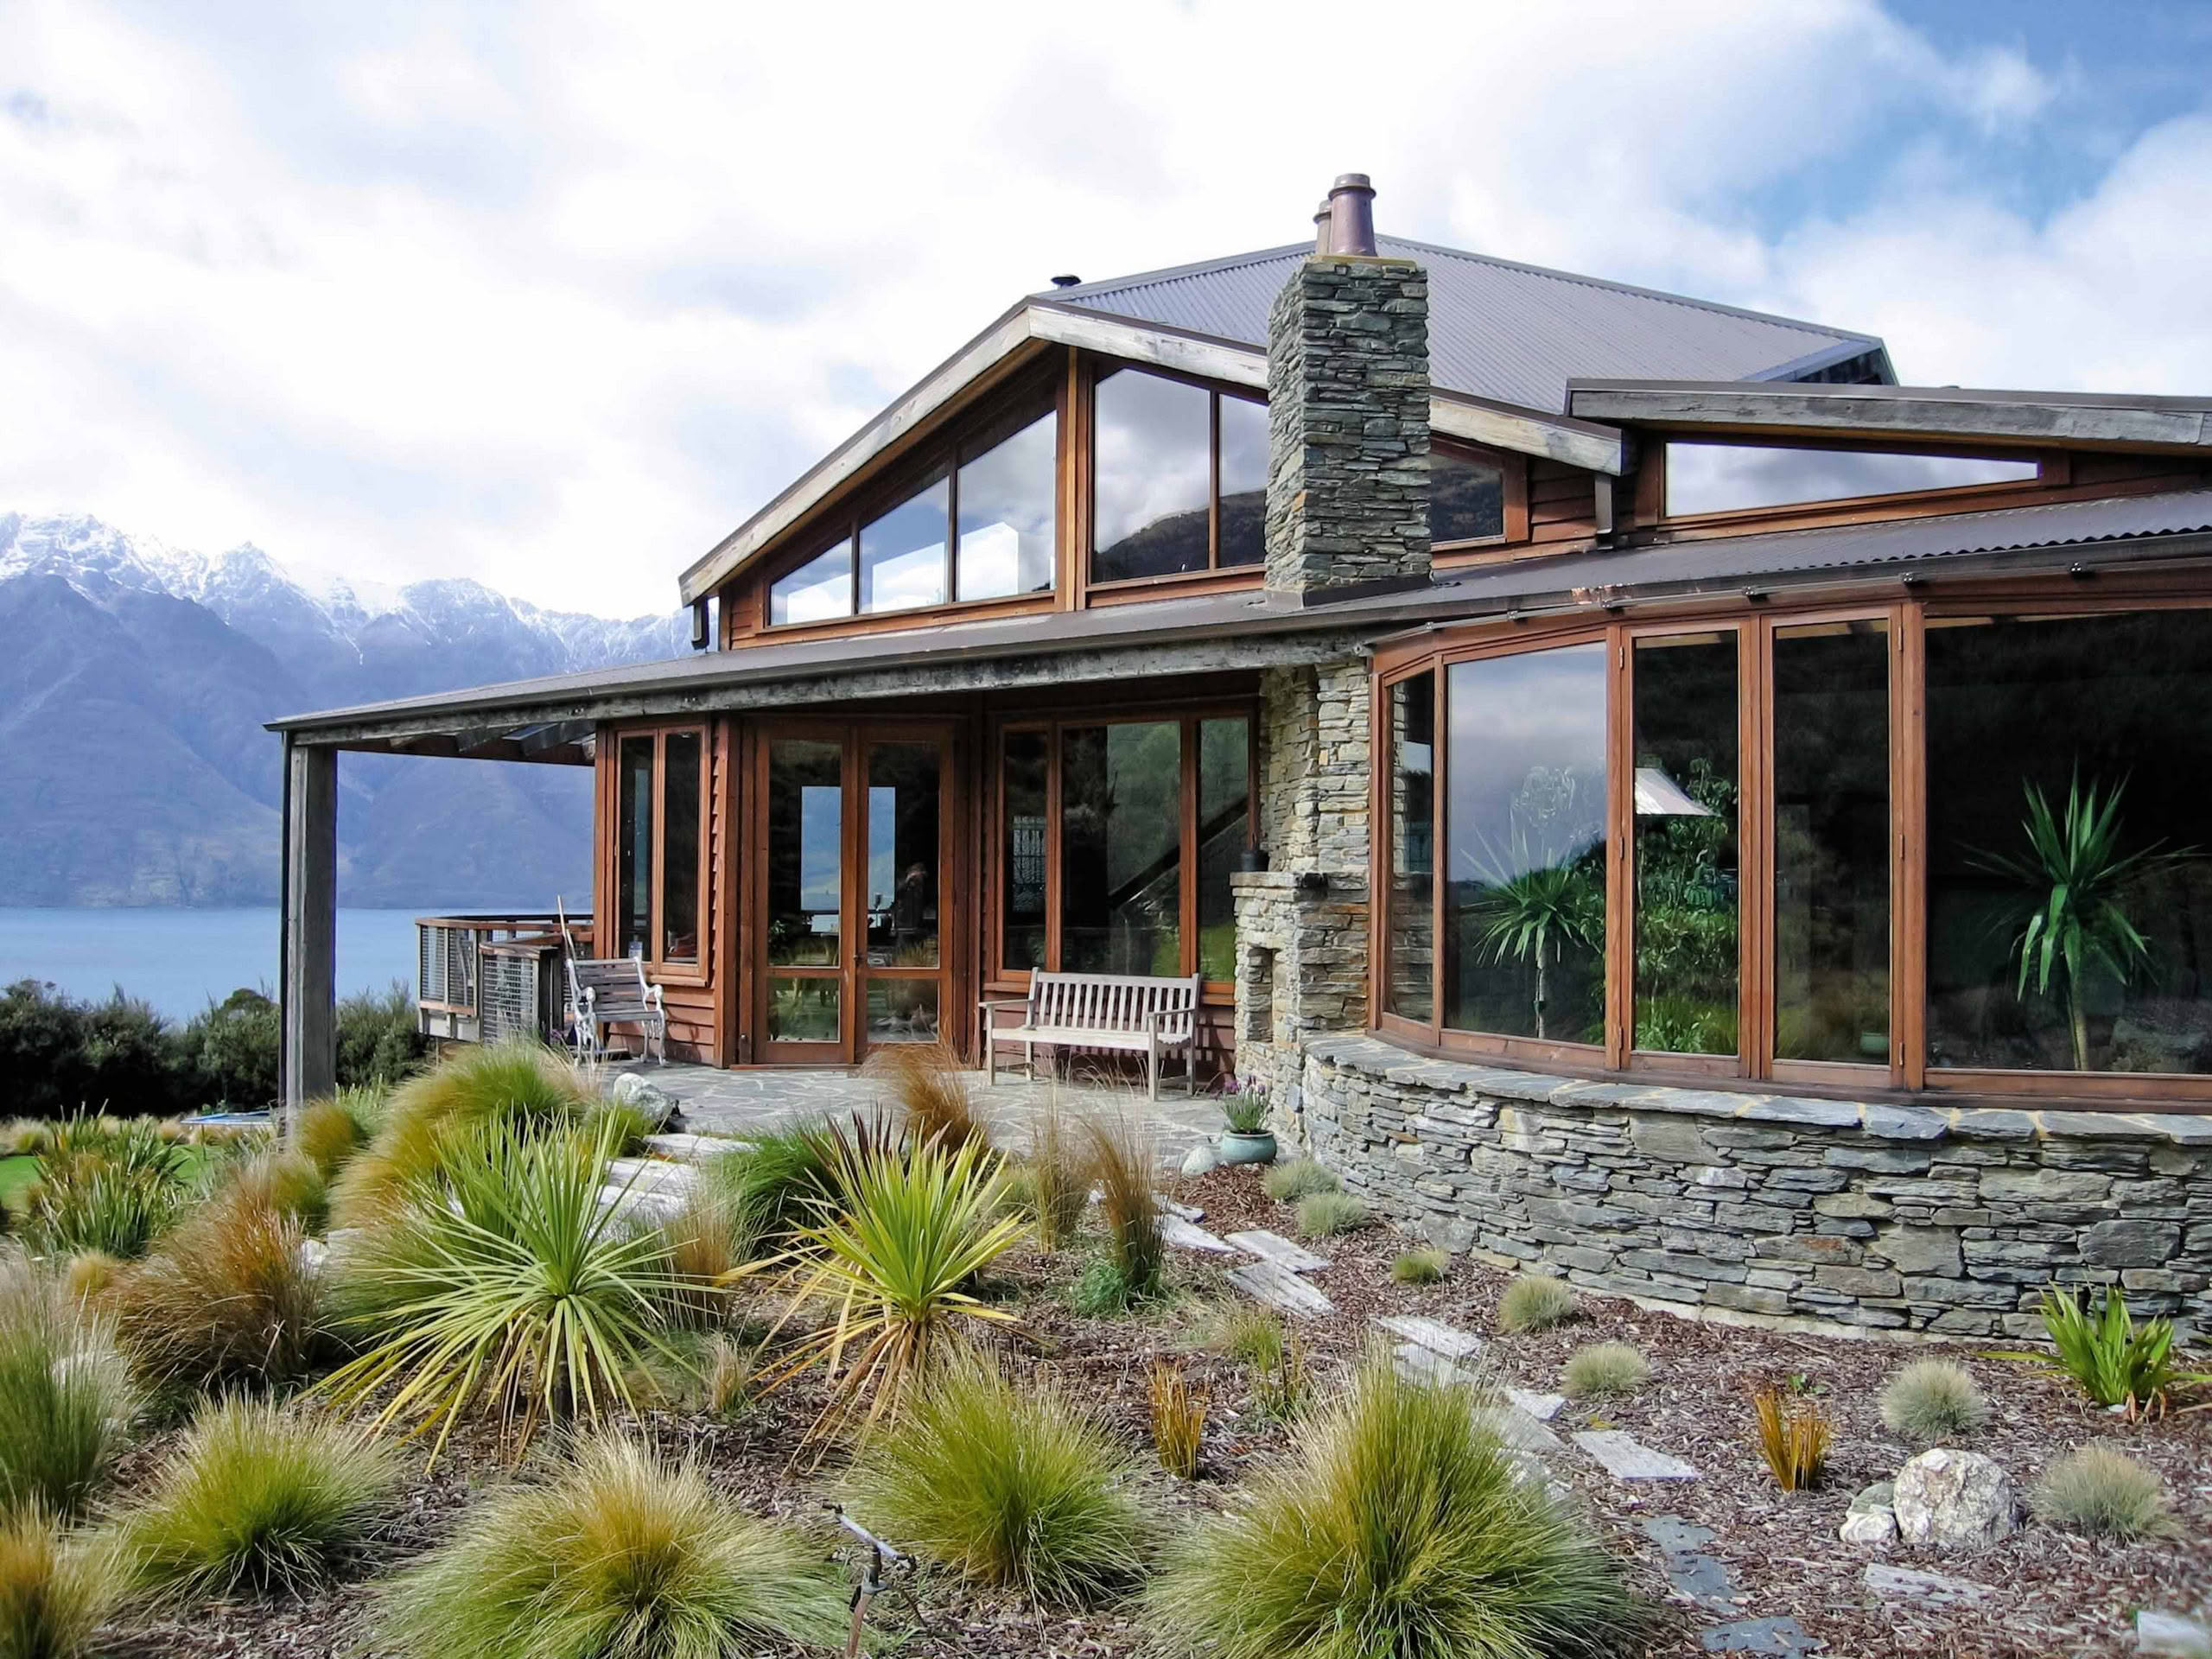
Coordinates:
(1422, 1265)
(707, 1241)
(2105, 1493)
(1008, 1484)
(782, 1184)
(227, 1299)
(624, 1123)
(289, 1182)
(329, 1131)
(1604, 1368)
(1178, 1418)
(1245, 1331)
(255, 1498)
(67, 1399)
(1125, 1165)
(621, 1555)
(104, 1184)
(1933, 1400)
(925, 1081)
(90, 1275)
(1299, 1177)
(1321, 1215)
(1792, 1435)
(1397, 1527)
(56, 1589)
(1058, 1181)
(1535, 1302)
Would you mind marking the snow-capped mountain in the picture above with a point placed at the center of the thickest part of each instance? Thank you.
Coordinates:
(134, 679)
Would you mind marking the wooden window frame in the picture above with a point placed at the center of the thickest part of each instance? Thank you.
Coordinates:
(1513, 487)
(1213, 572)
(2051, 469)
(1905, 615)
(671, 971)
(1188, 718)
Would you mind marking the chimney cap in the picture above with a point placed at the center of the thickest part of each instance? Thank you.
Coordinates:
(1322, 215)
(1067, 280)
(1352, 215)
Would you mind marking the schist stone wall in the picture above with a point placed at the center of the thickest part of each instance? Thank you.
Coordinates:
(1770, 1208)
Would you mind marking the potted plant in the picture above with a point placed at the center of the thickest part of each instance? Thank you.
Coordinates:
(1246, 1140)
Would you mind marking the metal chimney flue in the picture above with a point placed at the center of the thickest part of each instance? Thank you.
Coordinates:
(1352, 215)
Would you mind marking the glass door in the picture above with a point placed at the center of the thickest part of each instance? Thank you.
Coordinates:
(900, 997)
(806, 925)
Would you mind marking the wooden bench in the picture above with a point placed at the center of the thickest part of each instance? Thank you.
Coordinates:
(610, 992)
(1133, 1013)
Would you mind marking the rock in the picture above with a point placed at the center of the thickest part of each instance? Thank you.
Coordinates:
(313, 1254)
(1783, 1635)
(1278, 1250)
(694, 1149)
(1200, 1159)
(2172, 1635)
(1882, 1495)
(1954, 1500)
(1541, 1407)
(1904, 1584)
(656, 1103)
(1277, 1286)
(1188, 1212)
(1624, 1459)
(1189, 1236)
(1872, 1528)
(1432, 1334)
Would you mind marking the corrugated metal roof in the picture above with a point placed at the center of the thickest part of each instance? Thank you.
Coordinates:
(1218, 619)
(1512, 332)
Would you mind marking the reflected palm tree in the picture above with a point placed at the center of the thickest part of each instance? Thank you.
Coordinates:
(1530, 907)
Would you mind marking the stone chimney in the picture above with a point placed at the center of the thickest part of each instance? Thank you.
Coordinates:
(1348, 414)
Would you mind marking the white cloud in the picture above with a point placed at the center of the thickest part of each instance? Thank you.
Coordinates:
(523, 295)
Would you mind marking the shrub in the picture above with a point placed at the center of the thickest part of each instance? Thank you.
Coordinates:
(1422, 1265)
(1250, 1331)
(2105, 1493)
(1793, 1435)
(328, 1134)
(1178, 1418)
(2110, 1358)
(379, 1042)
(66, 1401)
(1604, 1368)
(232, 1047)
(925, 1081)
(1932, 1401)
(505, 1281)
(255, 1497)
(625, 1123)
(781, 1183)
(916, 1224)
(1534, 1302)
(228, 1297)
(621, 1554)
(105, 1185)
(58, 1055)
(522, 1088)
(1398, 1527)
(1287, 1183)
(1321, 1214)
(1125, 1168)
(1060, 1185)
(1099, 1291)
(55, 1589)
(1009, 1483)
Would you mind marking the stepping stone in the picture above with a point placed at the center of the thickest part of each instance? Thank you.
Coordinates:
(1278, 1250)
(1432, 1334)
(1783, 1635)
(1518, 1429)
(655, 1207)
(1181, 1233)
(1182, 1211)
(1700, 1578)
(1676, 1535)
(2171, 1634)
(1935, 1589)
(1624, 1459)
(1420, 1364)
(1277, 1286)
(652, 1175)
(694, 1149)
(1541, 1407)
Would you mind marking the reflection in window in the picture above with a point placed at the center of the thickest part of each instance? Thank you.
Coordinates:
(1120, 849)
(1224, 830)
(1685, 850)
(633, 876)
(1723, 477)
(679, 875)
(1524, 827)
(1026, 777)
(1152, 468)
(1832, 841)
(818, 591)
(1244, 481)
(1413, 822)
(1467, 498)
(902, 553)
(1008, 497)
(805, 870)
(2066, 760)
(903, 825)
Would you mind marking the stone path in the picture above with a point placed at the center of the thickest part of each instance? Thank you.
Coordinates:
(1277, 1286)
(1278, 1250)
(1432, 1334)
(1906, 1584)
(1624, 1458)
(1189, 1236)
(1705, 1582)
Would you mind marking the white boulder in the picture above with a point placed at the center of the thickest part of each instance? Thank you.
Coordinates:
(1954, 1500)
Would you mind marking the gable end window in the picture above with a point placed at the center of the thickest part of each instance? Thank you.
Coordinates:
(1179, 480)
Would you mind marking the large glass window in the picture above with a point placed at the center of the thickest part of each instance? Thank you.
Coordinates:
(660, 790)
(1025, 779)
(1178, 477)
(1225, 831)
(903, 816)
(902, 552)
(818, 591)
(1832, 841)
(1725, 477)
(1411, 992)
(1467, 498)
(1121, 849)
(1524, 835)
(1686, 843)
(1244, 481)
(1008, 496)
(2070, 893)
(805, 869)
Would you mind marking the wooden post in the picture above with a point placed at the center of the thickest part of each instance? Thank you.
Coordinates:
(309, 1067)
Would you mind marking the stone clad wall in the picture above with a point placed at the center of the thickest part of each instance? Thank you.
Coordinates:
(1771, 1207)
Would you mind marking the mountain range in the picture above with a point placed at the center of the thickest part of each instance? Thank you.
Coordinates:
(134, 678)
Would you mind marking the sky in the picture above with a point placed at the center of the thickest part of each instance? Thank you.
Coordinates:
(555, 295)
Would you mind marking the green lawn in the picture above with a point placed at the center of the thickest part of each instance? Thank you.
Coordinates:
(15, 1174)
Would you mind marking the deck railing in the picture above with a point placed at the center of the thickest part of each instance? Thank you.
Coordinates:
(481, 976)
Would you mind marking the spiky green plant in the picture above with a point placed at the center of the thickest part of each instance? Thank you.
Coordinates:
(502, 1280)
(1931, 1402)
(67, 1402)
(2103, 1491)
(105, 1184)
(1007, 1483)
(56, 1589)
(913, 1223)
(621, 1555)
(257, 1496)
(2110, 1358)
(1398, 1528)
(2074, 877)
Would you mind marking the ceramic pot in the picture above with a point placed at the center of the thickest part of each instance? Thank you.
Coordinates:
(1258, 1147)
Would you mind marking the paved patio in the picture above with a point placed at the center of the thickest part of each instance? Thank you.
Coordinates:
(715, 1102)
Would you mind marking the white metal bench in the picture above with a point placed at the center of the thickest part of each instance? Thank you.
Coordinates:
(610, 991)
(1133, 1013)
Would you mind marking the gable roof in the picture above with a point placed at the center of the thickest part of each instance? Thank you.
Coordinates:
(1512, 332)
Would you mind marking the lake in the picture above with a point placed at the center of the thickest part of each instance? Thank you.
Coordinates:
(177, 959)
